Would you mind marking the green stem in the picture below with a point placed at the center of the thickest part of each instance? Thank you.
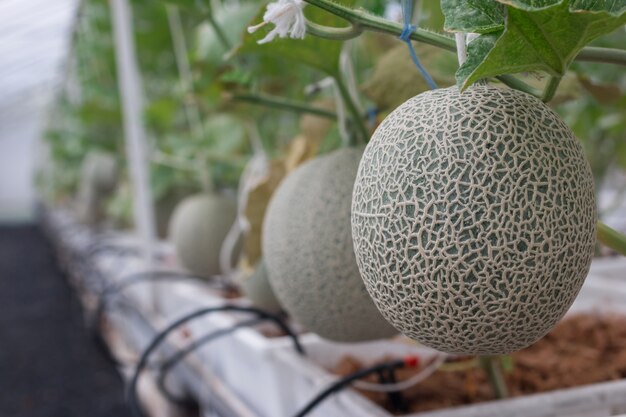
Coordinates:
(357, 120)
(551, 87)
(606, 55)
(611, 238)
(368, 21)
(221, 35)
(338, 34)
(283, 104)
(518, 84)
(361, 20)
(491, 366)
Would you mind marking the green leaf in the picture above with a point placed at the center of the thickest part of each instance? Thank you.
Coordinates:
(542, 37)
(477, 51)
(478, 16)
(530, 5)
(225, 134)
(615, 7)
(322, 54)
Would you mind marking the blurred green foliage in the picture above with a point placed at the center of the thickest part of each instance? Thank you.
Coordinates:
(197, 126)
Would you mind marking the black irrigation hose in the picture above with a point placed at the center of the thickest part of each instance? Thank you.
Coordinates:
(128, 281)
(346, 380)
(103, 243)
(138, 278)
(396, 399)
(168, 364)
(158, 339)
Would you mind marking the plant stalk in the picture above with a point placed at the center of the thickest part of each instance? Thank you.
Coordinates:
(605, 55)
(221, 35)
(283, 104)
(611, 238)
(367, 21)
(338, 34)
(550, 90)
(491, 366)
(357, 119)
(361, 21)
(518, 84)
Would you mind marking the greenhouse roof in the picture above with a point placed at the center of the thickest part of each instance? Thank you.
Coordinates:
(34, 40)
(34, 35)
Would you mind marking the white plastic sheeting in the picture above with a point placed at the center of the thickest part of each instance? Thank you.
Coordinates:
(34, 42)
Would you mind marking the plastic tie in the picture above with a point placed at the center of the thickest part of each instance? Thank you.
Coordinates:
(405, 36)
(372, 113)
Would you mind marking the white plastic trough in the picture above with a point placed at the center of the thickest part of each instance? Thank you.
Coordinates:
(274, 381)
(308, 376)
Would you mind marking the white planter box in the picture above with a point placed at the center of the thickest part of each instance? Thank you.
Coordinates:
(245, 360)
(610, 270)
(274, 381)
(308, 376)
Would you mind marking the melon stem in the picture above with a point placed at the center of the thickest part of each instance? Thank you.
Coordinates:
(611, 238)
(550, 89)
(361, 20)
(491, 366)
(337, 34)
(221, 35)
(357, 120)
(267, 100)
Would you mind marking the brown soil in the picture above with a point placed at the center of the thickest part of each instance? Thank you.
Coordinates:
(270, 330)
(583, 349)
(229, 293)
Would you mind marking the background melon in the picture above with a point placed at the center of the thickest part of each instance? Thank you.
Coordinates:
(197, 229)
(307, 246)
(165, 205)
(473, 219)
(98, 178)
(257, 288)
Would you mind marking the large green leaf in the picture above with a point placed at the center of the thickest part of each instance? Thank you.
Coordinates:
(478, 16)
(544, 36)
(313, 51)
(615, 7)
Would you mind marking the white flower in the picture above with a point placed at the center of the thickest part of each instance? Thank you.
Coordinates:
(287, 16)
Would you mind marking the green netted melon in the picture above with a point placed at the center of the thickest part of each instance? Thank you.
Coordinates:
(164, 208)
(197, 230)
(307, 246)
(473, 219)
(257, 288)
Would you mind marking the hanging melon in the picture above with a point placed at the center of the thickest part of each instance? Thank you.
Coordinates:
(197, 230)
(98, 179)
(307, 246)
(473, 219)
(257, 288)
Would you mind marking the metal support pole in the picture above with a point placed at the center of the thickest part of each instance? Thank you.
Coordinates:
(129, 84)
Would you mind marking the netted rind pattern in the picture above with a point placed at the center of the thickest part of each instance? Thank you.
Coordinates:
(307, 246)
(473, 219)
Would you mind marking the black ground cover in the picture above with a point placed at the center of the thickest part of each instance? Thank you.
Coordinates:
(49, 365)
